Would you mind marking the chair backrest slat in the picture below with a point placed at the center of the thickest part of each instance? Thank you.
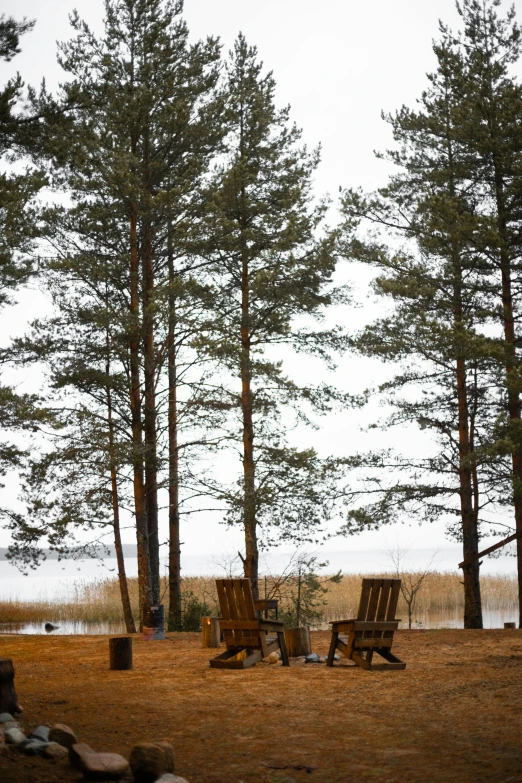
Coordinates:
(394, 599)
(378, 602)
(384, 598)
(374, 599)
(236, 603)
(365, 597)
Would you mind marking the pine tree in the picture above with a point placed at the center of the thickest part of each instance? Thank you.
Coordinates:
(20, 228)
(266, 269)
(142, 136)
(436, 330)
(491, 109)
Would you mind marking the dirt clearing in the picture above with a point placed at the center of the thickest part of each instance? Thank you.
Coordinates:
(454, 714)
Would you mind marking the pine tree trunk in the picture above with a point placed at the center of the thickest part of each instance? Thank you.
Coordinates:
(470, 538)
(514, 403)
(151, 471)
(251, 560)
(472, 597)
(514, 411)
(122, 576)
(142, 536)
(175, 618)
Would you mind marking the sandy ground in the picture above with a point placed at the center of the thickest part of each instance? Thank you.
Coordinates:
(454, 714)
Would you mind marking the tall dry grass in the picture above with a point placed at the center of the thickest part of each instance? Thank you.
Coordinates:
(99, 601)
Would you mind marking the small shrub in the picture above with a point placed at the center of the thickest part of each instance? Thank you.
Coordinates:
(192, 610)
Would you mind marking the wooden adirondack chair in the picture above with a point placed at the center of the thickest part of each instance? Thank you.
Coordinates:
(242, 630)
(372, 631)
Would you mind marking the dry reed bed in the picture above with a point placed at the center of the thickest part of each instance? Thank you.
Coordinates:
(99, 601)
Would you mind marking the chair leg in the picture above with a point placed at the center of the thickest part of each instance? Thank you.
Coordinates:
(333, 647)
(282, 647)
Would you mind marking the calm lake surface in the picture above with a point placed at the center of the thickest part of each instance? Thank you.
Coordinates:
(492, 619)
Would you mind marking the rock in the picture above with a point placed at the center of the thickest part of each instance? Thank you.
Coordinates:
(63, 735)
(97, 766)
(168, 778)
(77, 752)
(12, 724)
(273, 658)
(313, 658)
(33, 747)
(103, 766)
(50, 627)
(55, 751)
(40, 733)
(149, 760)
(6, 717)
(14, 736)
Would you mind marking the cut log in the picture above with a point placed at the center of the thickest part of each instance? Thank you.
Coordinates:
(210, 632)
(8, 698)
(298, 641)
(120, 650)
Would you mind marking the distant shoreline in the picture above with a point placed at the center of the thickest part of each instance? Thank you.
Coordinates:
(129, 551)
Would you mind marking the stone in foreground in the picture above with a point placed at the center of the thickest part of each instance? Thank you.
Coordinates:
(150, 760)
(103, 766)
(77, 752)
(63, 735)
(14, 736)
(168, 778)
(6, 717)
(40, 733)
(97, 766)
(33, 747)
(55, 751)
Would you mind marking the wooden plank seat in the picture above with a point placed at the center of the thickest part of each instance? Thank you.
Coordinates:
(373, 628)
(247, 638)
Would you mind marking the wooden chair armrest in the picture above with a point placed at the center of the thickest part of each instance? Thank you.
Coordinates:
(271, 625)
(366, 625)
(239, 625)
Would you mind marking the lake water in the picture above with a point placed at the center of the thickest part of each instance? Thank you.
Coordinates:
(492, 619)
(54, 581)
(64, 629)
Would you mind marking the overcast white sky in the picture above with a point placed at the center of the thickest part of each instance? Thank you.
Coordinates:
(338, 63)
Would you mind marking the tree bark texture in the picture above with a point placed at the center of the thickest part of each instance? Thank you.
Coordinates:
(175, 614)
(122, 576)
(150, 429)
(513, 395)
(142, 535)
(210, 632)
(470, 541)
(251, 559)
(298, 641)
(120, 653)
(8, 699)
(468, 488)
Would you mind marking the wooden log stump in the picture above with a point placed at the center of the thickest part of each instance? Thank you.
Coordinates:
(120, 652)
(210, 632)
(510, 625)
(298, 641)
(8, 698)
